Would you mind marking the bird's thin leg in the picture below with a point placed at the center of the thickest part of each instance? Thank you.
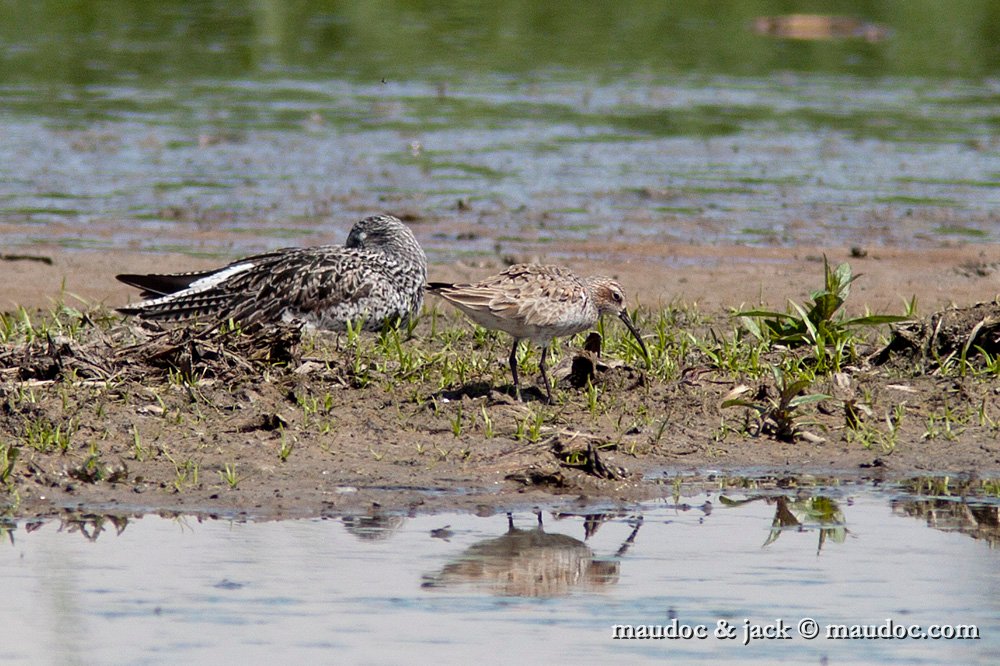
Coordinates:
(545, 376)
(513, 369)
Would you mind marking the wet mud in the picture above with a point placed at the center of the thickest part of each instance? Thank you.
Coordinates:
(102, 412)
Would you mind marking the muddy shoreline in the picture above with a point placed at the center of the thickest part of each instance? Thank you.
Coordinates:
(715, 277)
(221, 446)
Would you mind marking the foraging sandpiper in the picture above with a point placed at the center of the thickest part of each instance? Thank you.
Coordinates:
(538, 303)
(377, 276)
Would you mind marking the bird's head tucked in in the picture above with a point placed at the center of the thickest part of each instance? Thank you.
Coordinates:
(381, 232)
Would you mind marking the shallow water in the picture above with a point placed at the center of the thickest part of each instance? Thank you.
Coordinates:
(223, 128)
(383, 589)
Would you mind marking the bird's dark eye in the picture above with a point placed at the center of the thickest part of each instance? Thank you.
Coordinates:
(617, 297)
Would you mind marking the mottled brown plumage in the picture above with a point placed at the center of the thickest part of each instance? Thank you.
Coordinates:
(538, 303)
(377, 275)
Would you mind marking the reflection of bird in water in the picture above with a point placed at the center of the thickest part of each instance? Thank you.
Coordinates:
(92, 526)
(527, 563)
(377, 527)
(593, 521)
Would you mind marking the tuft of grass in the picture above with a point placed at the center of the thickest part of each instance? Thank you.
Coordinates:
(44, 436)
(592, 396)
(138, 450)
(229, 476)
(185, 473)
(487, 422)
(660, 429)
(286, 447)
(530, 428)
(870, 436)
(945, 425)
(456, 422)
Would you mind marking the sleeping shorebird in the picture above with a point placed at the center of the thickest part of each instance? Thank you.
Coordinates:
(377, 275)
(538, 303)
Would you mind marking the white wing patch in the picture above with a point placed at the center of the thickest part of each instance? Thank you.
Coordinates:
(218, 278)
(198, 286)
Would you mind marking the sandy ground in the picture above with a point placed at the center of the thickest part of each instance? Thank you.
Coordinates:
(386, 450)
(713, 277)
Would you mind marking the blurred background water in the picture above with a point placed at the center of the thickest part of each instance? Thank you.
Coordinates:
(225, 127)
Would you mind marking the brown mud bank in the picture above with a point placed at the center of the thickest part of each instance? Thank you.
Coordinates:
(101, 415)
(715, 277)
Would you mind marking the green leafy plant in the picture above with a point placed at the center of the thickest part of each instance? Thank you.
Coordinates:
(777, 415)
(816, 324)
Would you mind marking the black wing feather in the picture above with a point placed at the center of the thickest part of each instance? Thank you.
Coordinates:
(162, 284)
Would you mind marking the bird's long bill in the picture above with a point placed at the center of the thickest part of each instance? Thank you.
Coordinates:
(623, 315)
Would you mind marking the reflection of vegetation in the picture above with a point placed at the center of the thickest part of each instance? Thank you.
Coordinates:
(949, 508)
(531, 563)
(820, 510)
(956, 230)
(949, 486)
(801, 514)
(214, 48)
(957, 182)
(430, 161)
(915, 200)
(424, 113)
(980, 521)
(175, 39)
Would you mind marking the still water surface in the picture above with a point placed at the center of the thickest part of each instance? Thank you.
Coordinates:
(389, 589)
